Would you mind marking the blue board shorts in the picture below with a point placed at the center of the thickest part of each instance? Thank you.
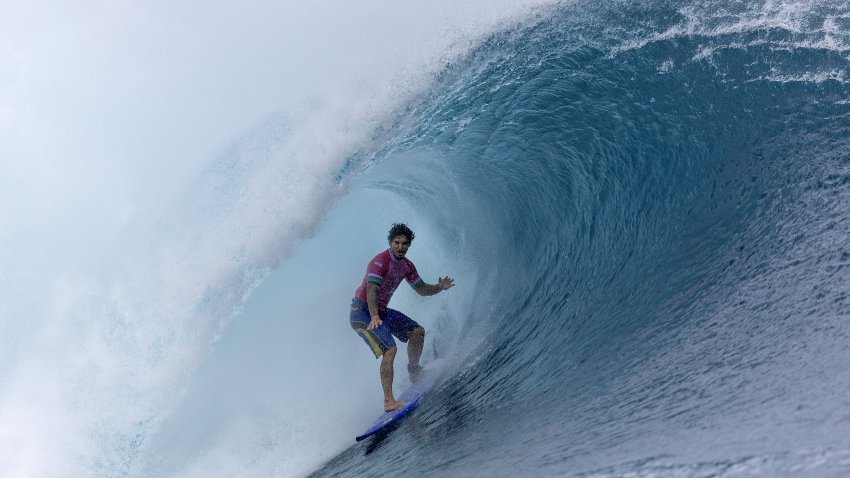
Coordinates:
(380, 339)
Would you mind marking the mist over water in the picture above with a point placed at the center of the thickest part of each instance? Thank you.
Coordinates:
(158, 162)
(644, 207)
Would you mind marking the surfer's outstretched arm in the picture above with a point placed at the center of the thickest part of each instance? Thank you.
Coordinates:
(442, 284)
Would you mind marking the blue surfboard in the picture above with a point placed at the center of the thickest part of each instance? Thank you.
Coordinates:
(411, 398)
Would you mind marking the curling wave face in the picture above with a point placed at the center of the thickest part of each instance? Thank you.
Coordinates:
(654, 200)
(644, 205)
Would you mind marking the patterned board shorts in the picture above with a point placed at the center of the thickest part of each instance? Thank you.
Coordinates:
(380, 339)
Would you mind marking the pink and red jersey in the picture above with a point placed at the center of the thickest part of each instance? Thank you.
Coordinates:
(388, 271)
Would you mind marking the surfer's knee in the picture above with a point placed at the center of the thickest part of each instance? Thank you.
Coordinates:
(389, 354)
(417, 333)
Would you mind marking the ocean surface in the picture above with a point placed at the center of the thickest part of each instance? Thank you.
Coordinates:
(645, 207)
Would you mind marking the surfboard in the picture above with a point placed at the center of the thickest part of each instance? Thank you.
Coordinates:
(411, 398)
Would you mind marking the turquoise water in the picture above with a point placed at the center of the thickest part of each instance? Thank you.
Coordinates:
(644, 206)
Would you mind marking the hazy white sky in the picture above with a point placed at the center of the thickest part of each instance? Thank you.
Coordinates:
(102, 82)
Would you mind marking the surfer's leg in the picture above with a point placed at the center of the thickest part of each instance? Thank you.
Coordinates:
(390, 403)
(416, 340)
(408, 330)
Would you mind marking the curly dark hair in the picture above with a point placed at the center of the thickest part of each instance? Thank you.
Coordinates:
(400, 229)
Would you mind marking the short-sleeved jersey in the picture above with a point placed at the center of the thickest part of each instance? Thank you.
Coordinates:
(388, 271)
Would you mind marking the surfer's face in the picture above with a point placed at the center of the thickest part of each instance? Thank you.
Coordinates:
(399, 246)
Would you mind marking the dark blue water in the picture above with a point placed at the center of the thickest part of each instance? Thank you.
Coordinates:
(655, 199)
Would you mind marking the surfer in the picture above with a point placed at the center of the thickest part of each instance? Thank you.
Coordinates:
(377, 324)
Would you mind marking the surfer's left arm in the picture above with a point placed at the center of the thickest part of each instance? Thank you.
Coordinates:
(442, 284)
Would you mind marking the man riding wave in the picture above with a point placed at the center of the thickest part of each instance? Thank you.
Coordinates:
(377, 324)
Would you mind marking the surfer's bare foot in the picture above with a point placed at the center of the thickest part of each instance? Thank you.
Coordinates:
(390, 405)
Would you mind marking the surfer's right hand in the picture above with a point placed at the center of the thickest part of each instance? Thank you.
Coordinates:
(374, 324)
